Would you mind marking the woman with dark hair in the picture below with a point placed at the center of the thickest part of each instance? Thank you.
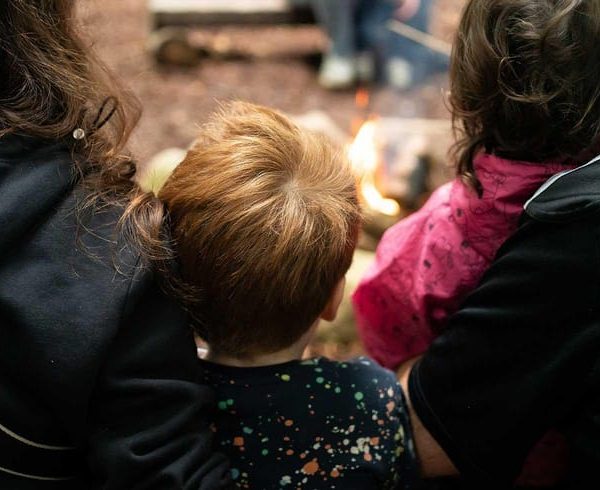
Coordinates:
(97, 366)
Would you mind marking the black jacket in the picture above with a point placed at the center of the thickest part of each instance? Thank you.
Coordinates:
(97, 367)
(523, 353)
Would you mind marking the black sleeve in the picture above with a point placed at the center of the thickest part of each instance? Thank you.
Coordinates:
(517, 357)
(148, 424)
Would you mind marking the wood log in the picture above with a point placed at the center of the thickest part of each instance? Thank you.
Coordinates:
(171, 45)
(420, 37)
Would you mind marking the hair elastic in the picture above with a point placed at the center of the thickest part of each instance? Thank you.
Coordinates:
(80, 134)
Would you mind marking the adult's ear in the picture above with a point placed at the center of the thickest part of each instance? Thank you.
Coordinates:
(333, 305)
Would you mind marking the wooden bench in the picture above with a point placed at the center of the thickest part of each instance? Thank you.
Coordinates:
(196, 13)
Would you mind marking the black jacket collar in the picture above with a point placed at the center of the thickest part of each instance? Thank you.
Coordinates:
(567, 195)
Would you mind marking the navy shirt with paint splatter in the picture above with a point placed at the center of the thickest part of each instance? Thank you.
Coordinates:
(313, 424)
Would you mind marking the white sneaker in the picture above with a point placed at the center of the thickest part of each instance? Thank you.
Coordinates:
(399, 73)
(365, 67)
(337, 73)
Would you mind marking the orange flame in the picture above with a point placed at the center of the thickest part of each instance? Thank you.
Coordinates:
(362, 98)
(364, 158)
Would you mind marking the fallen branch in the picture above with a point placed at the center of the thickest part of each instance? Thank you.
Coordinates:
(420, 37)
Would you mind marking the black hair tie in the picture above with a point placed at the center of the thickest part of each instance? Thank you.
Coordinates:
(99, 121)
(101, 117)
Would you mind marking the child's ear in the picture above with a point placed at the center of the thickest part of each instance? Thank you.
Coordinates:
(332, 306)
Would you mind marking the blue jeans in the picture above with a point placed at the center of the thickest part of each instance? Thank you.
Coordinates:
(361, 25)
(353, 25)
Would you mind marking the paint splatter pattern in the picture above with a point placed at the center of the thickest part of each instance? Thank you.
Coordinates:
(313, 424)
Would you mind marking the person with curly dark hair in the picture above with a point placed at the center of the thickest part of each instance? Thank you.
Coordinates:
(515, 352)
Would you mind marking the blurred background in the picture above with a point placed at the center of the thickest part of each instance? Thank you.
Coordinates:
(371, 74)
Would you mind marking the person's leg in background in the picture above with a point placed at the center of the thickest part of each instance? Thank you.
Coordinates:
(373, 35)
(405, 62)
(403, 53)
(338, 19)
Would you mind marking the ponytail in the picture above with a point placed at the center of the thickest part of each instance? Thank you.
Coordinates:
(143, 227)
(144, 224)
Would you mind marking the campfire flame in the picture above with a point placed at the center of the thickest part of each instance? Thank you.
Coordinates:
(365, 160)
(362, 98)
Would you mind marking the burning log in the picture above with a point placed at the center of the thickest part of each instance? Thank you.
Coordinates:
(379, 212)
(365, 157)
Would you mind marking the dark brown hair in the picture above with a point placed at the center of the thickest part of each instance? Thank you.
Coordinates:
(51, 84)
(524, 80)
(264, 218)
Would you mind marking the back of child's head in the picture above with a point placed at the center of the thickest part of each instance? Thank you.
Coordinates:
(524, 79)
(264, 217)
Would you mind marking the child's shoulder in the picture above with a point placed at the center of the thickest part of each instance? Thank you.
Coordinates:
(367, 416)
(361, 381)
(361, 370)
